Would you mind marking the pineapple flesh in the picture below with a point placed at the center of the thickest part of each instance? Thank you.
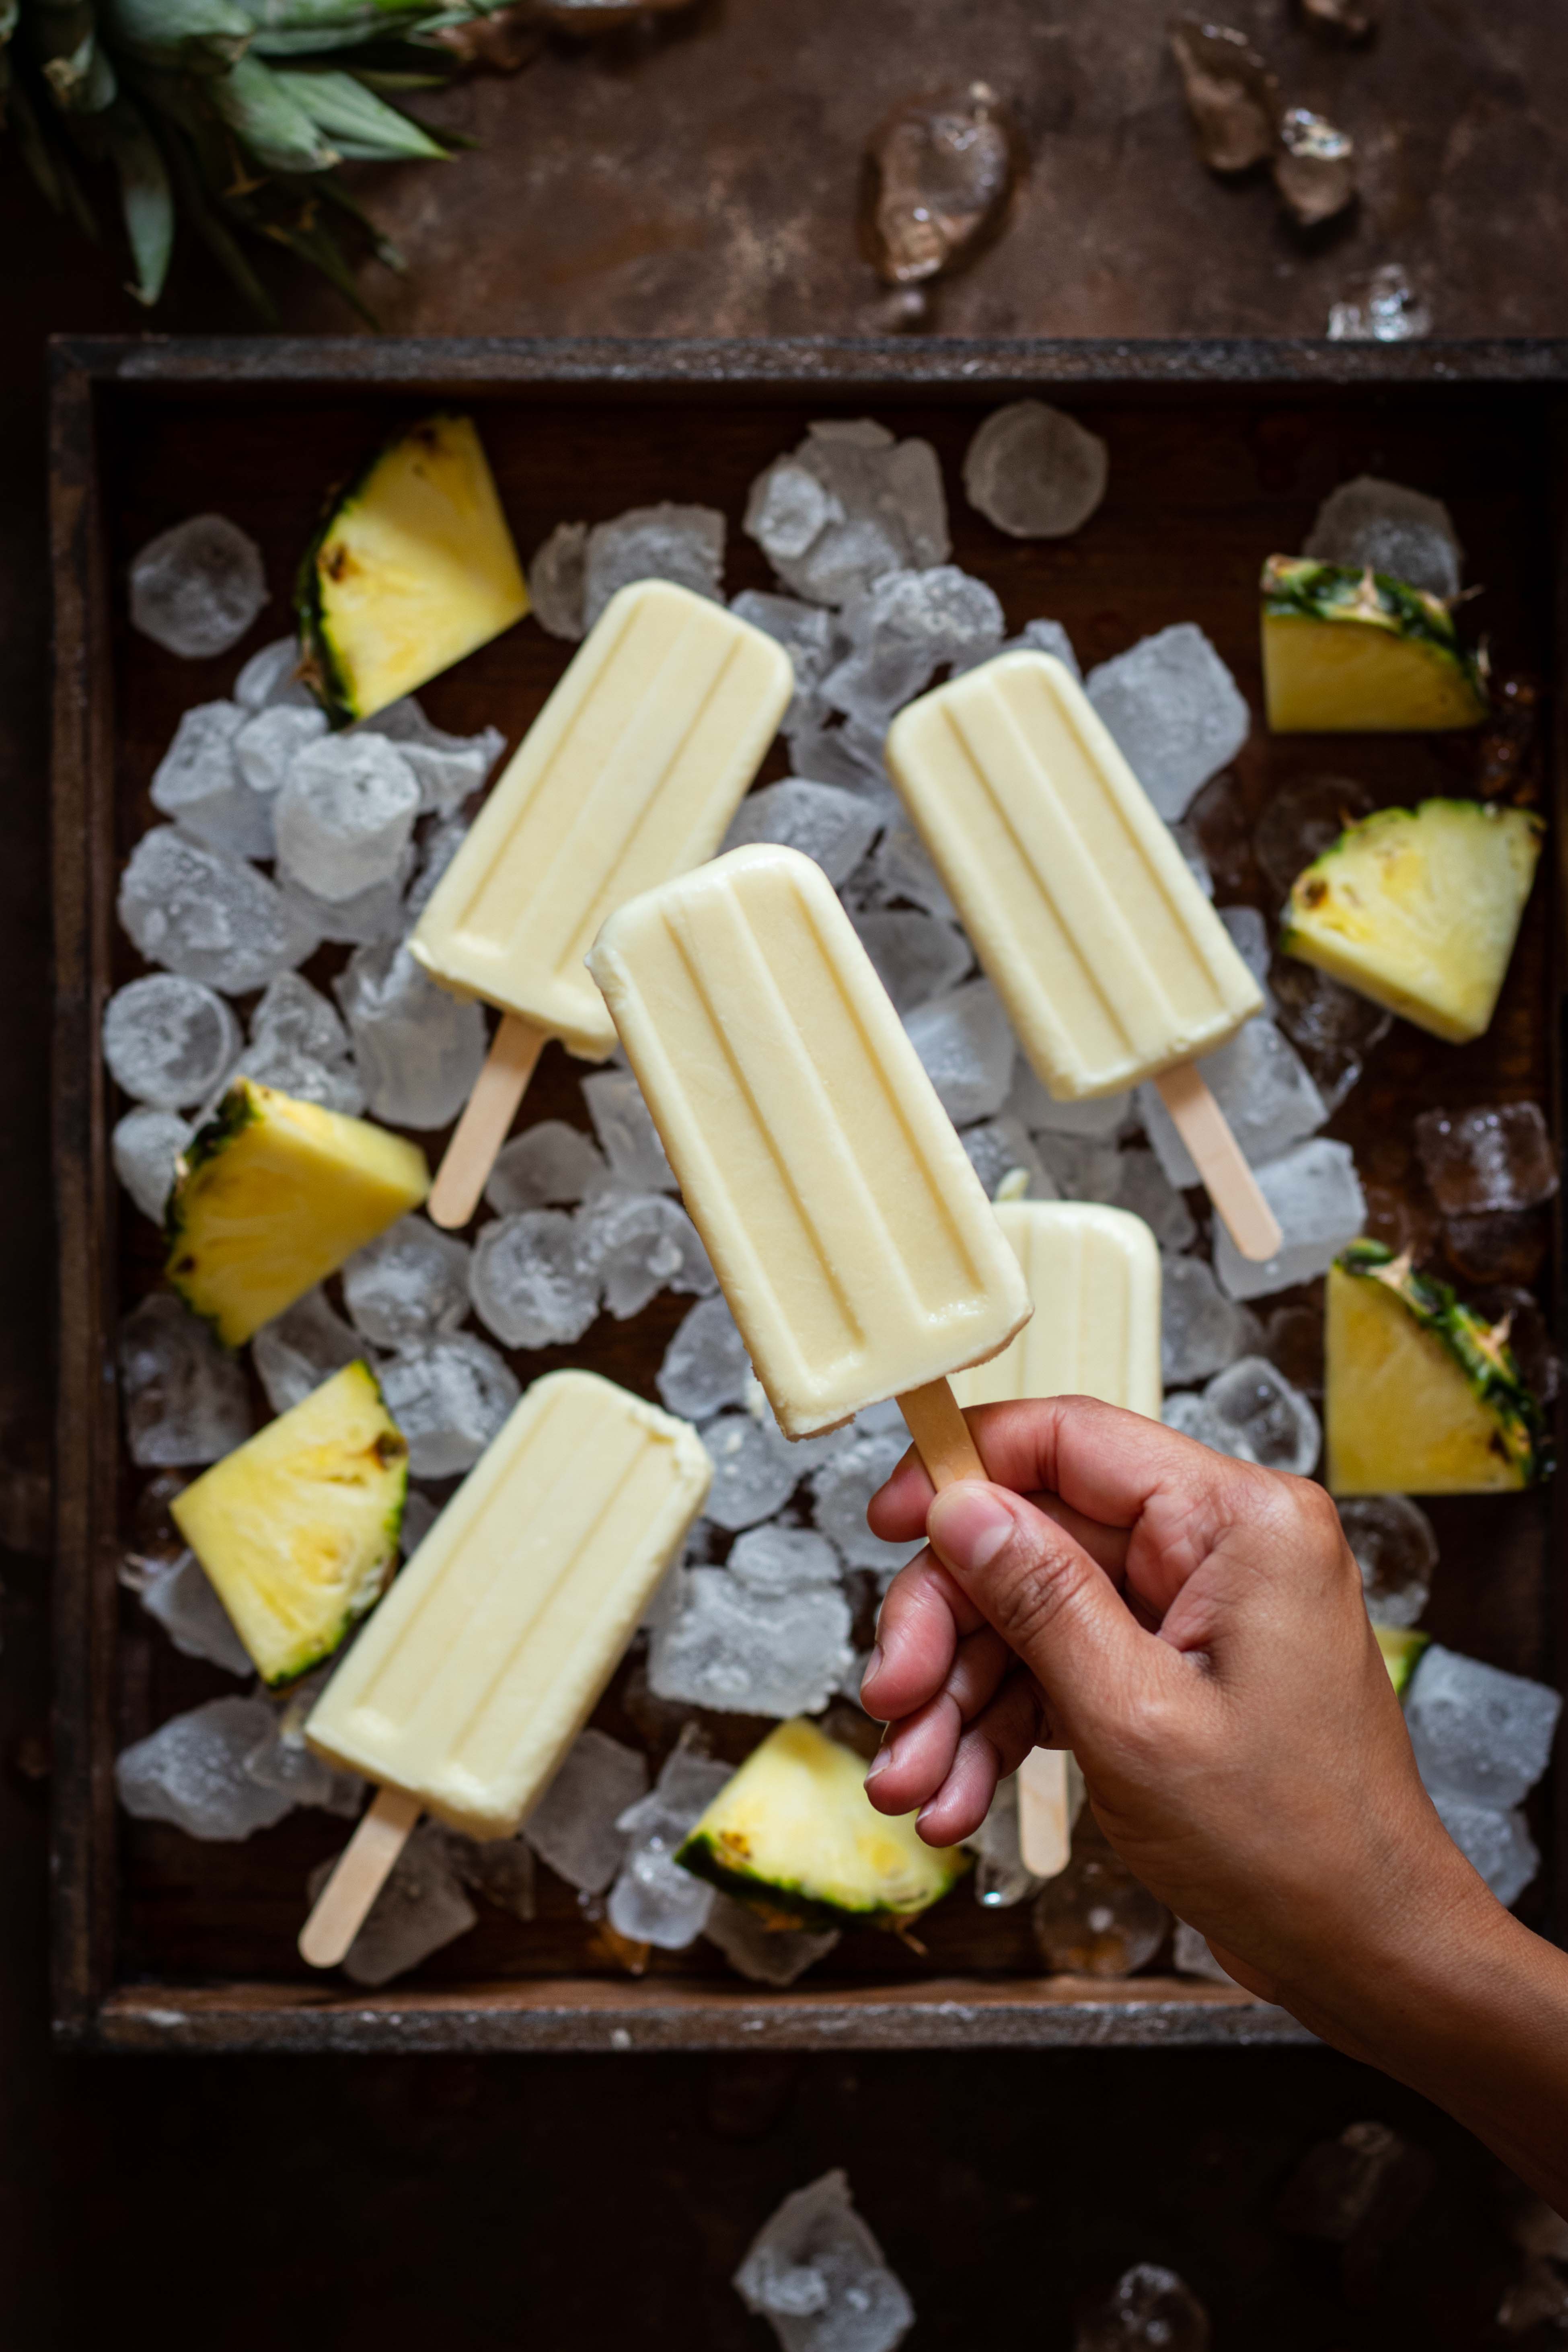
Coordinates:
(298, 1527)
(1400, 1646)
(795, 1835)
(1349, 652)
(413, 567)
(272, 1196)
(1421, 1395)
(1419, 910)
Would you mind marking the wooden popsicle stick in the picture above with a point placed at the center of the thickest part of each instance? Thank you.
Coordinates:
(486, 1121)
(941, 1436)
(363, 1869)
(1219, 1158)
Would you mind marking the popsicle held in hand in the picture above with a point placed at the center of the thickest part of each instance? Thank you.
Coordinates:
(1112, 964)
(487, 1657)
(851, 1235)
(630, 774)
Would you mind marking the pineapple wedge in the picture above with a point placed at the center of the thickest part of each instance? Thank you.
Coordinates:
(298, 1527)
(272, 1196)
(1402, 1646)
(1419, 910)
(1357, 651)
(413, 567)
(793, 1835)
(1421, 1396)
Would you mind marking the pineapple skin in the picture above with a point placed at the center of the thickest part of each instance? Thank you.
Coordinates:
(1401, 1647)
(1348, 652)
(272, 1196)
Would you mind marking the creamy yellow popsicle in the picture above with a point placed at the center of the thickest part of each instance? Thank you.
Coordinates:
(493, 1646)
(1111, 962)
(1094, 1276)
(851, 1235)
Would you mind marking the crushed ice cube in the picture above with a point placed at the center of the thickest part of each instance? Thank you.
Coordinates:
(775, 1956)
(573, 1825)
(967, 1048)
(626, 1130)
(1331, 1027)
(298, 1044)
(998, 1148)
(1498, 1157)
(903, 870)
(1368, 522)
(822, 821)
(145, 1146)
(774, 1559)
(498, 1870)
(447, 767)
(1143, 1186)
(1250, 937)
(1094, 1919)
(1190, 1955)
(191, 1771)
(301, 1347)
(1034, 471)
(1494, 1841)
(817, 2273)
(1314, 166)
(197, 588)
(1314, 1192)
(1079, 1167)
(448, 1396)
(533, 1284)
(1261, 1418)
(1201, 1331)
(272, 677)
(1174, 709)
(685, 545)
(1098, 1117)
(266, 746)
(1396, 1550)
(806, 633)
(653, 1900)
(753, 1473)
(1001, 1879)
(183, 1601)
(1263, 1087)
(1478, 1733)
(1149, 2305)
(198, 783)
(705, 1365)
(344, 816)
(408, 1284)
(849, 756)
(904, 627)
(419, 1515)
(378, 912)
(168, 1040)
(421, 1907)
(849, 504)
(841, 1489)
(1300, 820)
(939, 170)
(545, 1165)
(916, 956)
(185, 1398)
(209, 915)
(1233, 98)
(728, 1646)
(281, 1759)
(1188, 1414)
(557, 578)
(419, 1050)
(1383, 308)
(636, 1244)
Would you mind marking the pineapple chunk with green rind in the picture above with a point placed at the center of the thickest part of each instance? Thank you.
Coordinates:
(795, 1835)
(274, 1194)
(1419, 910)
(1358, 651)
(412, 568)
(298, 1527)
(1402, 1646)
(1421, 1394)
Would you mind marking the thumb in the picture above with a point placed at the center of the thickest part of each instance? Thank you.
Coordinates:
(1051, 1603)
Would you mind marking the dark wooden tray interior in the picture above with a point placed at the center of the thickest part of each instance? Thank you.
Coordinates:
(1205, 480)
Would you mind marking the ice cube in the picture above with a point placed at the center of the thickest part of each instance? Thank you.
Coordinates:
(1396, 1550)
(1046, 637)
(904, 871)
(301, 1347)
(1175, 710)
(198, 783)
(1034, 471)
(534, 1285)
(545, 1164)
(753, 1473)
(1314, 1192)
(1332, 1028)
(1201, 1331)
(902, 629)
(421, 1907)
(183, 1601)
(967, 1048)
(847, 506)
(841, 1489)
(197, 588)
(1187, 1413)
(626, 1132)
(1079, 1168)
(280, 1759)
(822, 821)
(1478, 1733)
(334, 1085)
(419, 1515)
(685, 545)
(1149, 2305)
(573, 1825)
(498, 1870)
(211, 917)
(1262, 1085)
(1095, 1919)
(705, 1365)
(168, 1040)
(1100, 1117)
(636, 1244)
(1233, 98)
(774, 1559)
(847, 755)
(1302, 819)
(1259, 1417)
(448, 1396)
(1001, 1879)
(939, 170)
(806, 633)
(916, 956)
(272, 677)
(344, 816)
(1144, 1188)
(999, 1149)
(145, 1146)
(298, 1044)
(436, 851)
(1383, 308)
(185, 1398)
(1368, 522)
(408, 1284)
(728, 1646)
(1494, 1842)
(774, 1956)
(1314, 166)
(266, 746)
(1249, 937)
(191, 1771)
(419, 1050)
(653, 1900)
(1498, 1157)
(556, 580)
(1293, 1338)
(815, 2272)
(447, 767)
(1190, 1955)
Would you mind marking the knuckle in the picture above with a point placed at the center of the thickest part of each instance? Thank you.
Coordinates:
(1037, 1585)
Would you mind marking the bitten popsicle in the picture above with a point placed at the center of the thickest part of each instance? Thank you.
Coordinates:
(1094, 1276)
(851, 1235)
(492, 1648)
(630, 774)
(1111, 962)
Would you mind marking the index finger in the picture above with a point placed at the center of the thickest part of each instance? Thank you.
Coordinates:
(1105, 1465)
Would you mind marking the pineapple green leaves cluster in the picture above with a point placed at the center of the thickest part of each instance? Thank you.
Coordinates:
(227, 119)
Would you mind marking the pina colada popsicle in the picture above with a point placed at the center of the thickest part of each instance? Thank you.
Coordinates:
(630, 774)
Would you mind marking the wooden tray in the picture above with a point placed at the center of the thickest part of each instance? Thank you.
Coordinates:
(1220, 454)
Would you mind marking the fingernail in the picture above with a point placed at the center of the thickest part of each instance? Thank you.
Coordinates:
(879, 1762)
(873, 1666)
(968, 1524)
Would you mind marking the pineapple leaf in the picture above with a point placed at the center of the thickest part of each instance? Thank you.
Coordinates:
(360, 125)
(261, 110)
(146, 197)
(314, 243)
(48, 164)
(201, 36)
(381, 245)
